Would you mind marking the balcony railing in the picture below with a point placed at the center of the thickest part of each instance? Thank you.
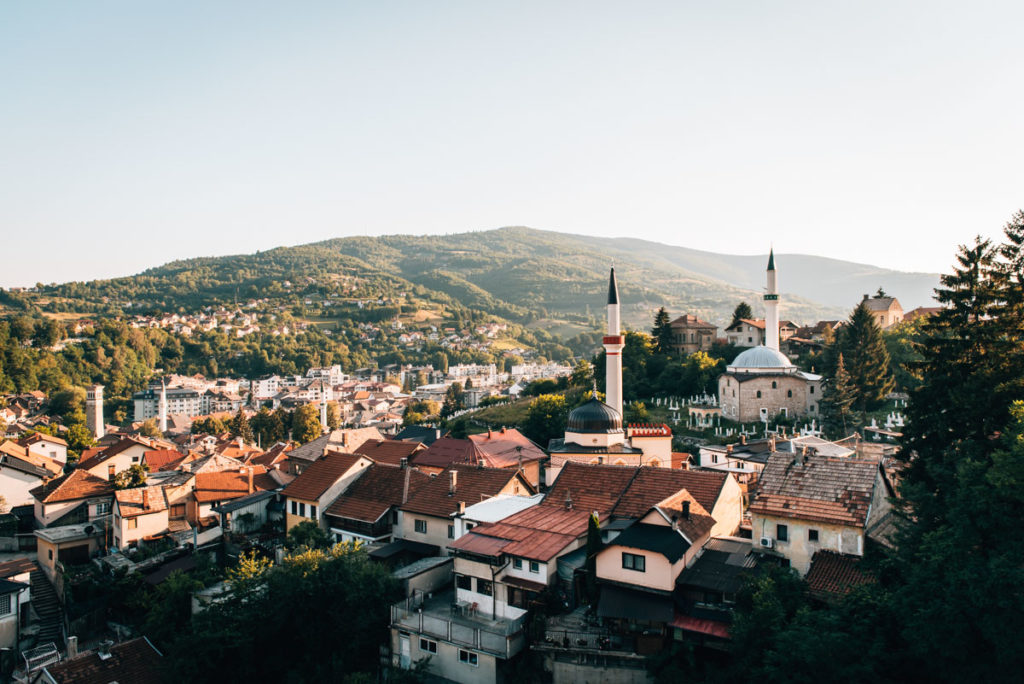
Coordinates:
(440, 617)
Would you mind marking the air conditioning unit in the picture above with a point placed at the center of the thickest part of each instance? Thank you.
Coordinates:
(767, 542)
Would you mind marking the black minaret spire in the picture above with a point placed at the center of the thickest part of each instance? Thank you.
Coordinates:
(613, 289)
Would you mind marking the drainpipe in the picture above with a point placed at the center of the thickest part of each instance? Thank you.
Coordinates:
(494, 591)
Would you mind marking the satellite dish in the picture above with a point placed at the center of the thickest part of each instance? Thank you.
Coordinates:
(89, 529)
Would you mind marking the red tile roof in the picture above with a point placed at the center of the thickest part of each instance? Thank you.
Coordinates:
(318, 477)
(376, 491)
(111, 451)
(79, 484)
(539, 533)
(473, 485)
(162, 459)
(503, 448)
(591, 487)
(652, 485)
(388, 451)
(446, 451)
(829, 490)
(136, 661)
(230, 484)
(833, 575)
(140, 501)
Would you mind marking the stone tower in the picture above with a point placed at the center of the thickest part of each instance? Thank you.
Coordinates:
(94, 411)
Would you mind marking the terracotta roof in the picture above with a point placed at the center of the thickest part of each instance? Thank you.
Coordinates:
(140, 501)
(136, 661)
(39, 437)
(653, 485)
(388, 451)
(79, 484)
(538, 533)
(830, 490)
(375, 492)
(502, 448)
(16, 567)
(318, 477)
(592, 487)
(230, 484)
(162, 459)
(833, 575)
(275, 454)
(689, 320)
(123, 444)
(47, 465)
(473, 484)
(446, 451)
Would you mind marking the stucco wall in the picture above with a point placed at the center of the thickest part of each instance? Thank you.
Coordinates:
(799, 549)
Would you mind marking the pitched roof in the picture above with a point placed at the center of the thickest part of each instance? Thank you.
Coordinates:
(691, 321)
(123, 444)
(78, 484)
(40, 437)
(446, 451)
(658, 538)
(162, 459)
(376, 491)
(692, 519)
(830, 490)
(653, 485)
(503, 448)
(592, 487)
(135, 661)
(833, 575)
(17, 567)
(472, 484)
(880, 303)
(721, 566)
(140, 501)
(538, 533)
(388, 451)
(230, 484)
(318, 477)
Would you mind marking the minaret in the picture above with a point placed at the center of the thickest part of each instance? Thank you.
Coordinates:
(162, 407)
(771, 307)
(613, 344)
(94, 411)
(323, 414)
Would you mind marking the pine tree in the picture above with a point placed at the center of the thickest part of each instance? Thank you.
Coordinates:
(662, 332)
(742, 310)
(240, 427)
(837, 400)
(866, 359)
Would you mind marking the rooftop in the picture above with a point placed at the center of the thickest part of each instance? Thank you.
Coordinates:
(376, 491)
(136, 661)
(833, 575)
(320, 475)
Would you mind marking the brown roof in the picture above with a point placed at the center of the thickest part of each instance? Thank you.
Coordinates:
(320, 475)
(376, 491)
(16, 567)
(388, 451)
(833, 575)
(17, 451)
(538, 533)
(830, 490)
(162, 459)
(446, 451)
(230, 484)
(39, 437)
(695, 523)
(880, 303)
(592, 487)
(473, 485)
(503, 448)
(113, 450)
(140, 501)
(136, 661)
(275, 454)
(653, 485)
(691, 321)
(79, 484)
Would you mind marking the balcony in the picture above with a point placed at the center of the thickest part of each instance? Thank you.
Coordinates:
(439, 616)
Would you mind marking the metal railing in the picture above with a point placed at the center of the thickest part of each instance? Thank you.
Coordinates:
(436, 618)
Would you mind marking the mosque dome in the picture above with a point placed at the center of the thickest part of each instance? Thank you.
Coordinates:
(594, 417)
(760, 358)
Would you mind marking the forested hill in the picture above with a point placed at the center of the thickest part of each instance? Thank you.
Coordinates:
(515, 273)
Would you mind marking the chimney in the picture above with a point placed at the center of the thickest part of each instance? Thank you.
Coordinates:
(728, 448)
(568, 500)
(462, 508)
(145, 498)
(249, 469)
(72, 647)
(743, 439)
(675, 519)
(454, 474)
(865, 298)
(403, 463)
(686, 509)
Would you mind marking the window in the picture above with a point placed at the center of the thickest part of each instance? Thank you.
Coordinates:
(420, 526)
(467, 657)
(758, 394)
(812, 389)
(451, 531)
(428, 645)
(789, 393)
(178, 511)
(312, 512)
(484, 587)
(133, 523)
(295, 508)
(812, 535)
(5, 604)
(103, 508)
(517, 563)
(464, 582)
(632, 561)
(782, 532)
(775, 385)
(714, 458)
(534, 567)
(302, 509)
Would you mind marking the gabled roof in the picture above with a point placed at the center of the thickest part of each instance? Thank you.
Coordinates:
(503, 448)
(657, 538)
(13, 450)
(539, 533)
(162, 459)
(419, 433)
(473, 484)
(79, 484)
(230, 484)
(752, 322)
(816, 488)
(376, 491)
(880, 303)
(388, 451)
(653, 485)
(721, 566)
(691, 321)
(691, 518)
(140, 501)
(592, 487)
(446, 451)
(833, 575)
(28, 440)
(136, 661)
(123, 444)
(320, 475)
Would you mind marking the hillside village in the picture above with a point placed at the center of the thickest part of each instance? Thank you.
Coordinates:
(588, 553)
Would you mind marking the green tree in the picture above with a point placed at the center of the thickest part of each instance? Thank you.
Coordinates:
(545, 419)
(308, 534)
(306, 424)
(637, 412)
(866, 359)
(741, 311)
(662, 332)
(454, 400)
(150, 428)
(132, 477)
(582, 374)
(837, 400)
(249, 573)
(240, 427)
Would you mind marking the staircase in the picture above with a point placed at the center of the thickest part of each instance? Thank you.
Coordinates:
(47, 608)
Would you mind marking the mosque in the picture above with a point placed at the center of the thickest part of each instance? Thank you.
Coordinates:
(761, 383)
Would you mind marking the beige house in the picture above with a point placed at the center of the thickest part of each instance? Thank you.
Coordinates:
(139, 514)
(46, 446)
(319, 485)
(808, 503)
(74, 498)
(69, 545)
(886, 310)
(118, 457)
(690, 334)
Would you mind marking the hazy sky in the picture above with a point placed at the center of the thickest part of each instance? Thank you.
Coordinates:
(133, 133)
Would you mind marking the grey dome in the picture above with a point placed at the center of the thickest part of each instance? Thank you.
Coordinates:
(760, 357)
(594, 417)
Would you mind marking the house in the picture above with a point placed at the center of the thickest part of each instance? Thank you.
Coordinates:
(77, 497)
(808, 503)
(706, 590)
(14, 599)
(346, 440)
(140, 514)
(47, 446)
(388, 452)
(319, 485)
(419, 433)
(921, 312)
(509, 448)
(136, 661)
(746, 332)
(18, 478)
(428, 516)
(73, 544)
(118, 457)
(690, 334)
(367, 510)
(445, 452)
(215, 488)
(886, 311)
(156, 460)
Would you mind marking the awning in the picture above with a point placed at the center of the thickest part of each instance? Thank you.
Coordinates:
(701, 626)
(523, 584)
(627, 604)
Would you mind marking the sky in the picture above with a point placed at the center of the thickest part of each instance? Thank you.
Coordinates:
(136, 133)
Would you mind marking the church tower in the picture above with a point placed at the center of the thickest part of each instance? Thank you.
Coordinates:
(613, 344)
(94, 411)
(771, 306)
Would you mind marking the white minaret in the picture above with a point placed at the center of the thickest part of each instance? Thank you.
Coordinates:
(94, 411)
(771, 306)
(162, 407)
(323, 415)
(613, 344)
